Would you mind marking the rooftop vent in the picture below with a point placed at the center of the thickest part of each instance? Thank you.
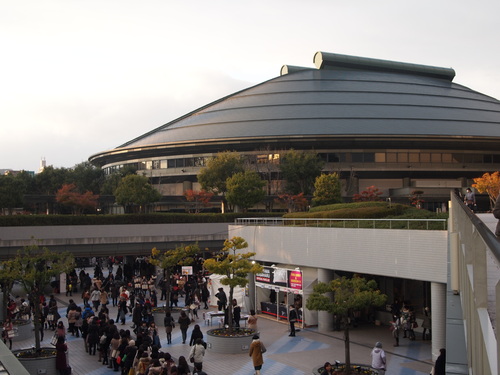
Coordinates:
(334, 61)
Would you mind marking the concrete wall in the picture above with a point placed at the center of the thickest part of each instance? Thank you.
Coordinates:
(409, 254)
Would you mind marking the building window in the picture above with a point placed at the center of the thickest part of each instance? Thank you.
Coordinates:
(199, 162)
(425, 157)
(392, 157)
(380, 157)
(435, 157)
(447, 158)
(414, 157)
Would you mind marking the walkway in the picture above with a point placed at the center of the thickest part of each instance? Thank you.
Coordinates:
(285, 355)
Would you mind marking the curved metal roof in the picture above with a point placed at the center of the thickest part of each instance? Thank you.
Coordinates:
(342, 102)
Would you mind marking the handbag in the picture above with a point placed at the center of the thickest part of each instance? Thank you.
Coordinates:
(263, 349)
(191, 359)
(10, 333)
(50, 317)
(53, 340)
(119, 359)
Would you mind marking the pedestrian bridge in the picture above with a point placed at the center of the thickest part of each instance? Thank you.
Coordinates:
(112, 240)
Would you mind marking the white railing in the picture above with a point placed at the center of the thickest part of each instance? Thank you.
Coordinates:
(475, 275)
(422, 224)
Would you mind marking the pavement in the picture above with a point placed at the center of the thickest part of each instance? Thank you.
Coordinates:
(285, 355)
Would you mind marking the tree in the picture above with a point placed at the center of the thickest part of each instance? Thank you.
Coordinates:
(86, 177)
(34, 268)
(300, 170)
(416, 198)
(51, 179)
(214, 175)
(170, 259)
(327, 190)
(11, 192)
(7, 279)
(68, 196)
(136, 190)
(490, 184)
(111, 181)
(200, 198)
(244, 189)
(349, 295)
(293, 203)
(370, 194)
(235, 266)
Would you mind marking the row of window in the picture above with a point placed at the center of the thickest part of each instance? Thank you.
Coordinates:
(409, 157)
(339, 157)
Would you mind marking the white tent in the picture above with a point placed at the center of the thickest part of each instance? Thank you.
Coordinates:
(214, 283)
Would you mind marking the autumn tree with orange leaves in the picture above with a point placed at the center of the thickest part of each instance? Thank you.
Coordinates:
(490, 184)
(199, 199)
(293, 202)
(68, 196)
(370, 194)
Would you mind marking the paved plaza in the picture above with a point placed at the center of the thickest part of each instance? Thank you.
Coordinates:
(285, 355)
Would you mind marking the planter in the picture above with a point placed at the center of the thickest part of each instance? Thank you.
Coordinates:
(24, 330)
(38, 365)
(237, 343)
(355, 369)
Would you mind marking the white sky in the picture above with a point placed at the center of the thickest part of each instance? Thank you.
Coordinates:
(78, 77)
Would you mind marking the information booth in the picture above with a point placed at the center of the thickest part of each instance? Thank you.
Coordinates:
(276, 289)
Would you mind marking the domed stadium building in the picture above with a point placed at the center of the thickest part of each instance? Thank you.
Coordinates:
(400, 127)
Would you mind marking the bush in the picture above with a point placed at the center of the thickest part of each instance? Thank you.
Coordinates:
(367, 210)
(158, 218)
(339, 206)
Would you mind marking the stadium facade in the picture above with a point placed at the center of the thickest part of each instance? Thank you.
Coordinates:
(398, 126)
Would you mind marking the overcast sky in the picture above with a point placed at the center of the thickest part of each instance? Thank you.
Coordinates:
(81, 77)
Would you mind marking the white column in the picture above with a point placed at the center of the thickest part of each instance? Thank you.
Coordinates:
(438, 315)
(325, 319)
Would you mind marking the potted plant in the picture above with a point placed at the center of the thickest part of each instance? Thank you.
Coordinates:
(168, 261)
(235, 266)
(349, 295)
(34, 268)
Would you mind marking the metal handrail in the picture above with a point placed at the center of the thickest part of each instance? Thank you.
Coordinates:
(319, 222)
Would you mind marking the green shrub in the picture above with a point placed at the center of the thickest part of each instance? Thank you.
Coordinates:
(158, 218)
(340, 206)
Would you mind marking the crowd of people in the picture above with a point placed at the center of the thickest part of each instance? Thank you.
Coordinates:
(129, 351)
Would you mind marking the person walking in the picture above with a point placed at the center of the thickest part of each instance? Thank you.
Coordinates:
(169, 323)
(195, 335)
(396, 328)
(197, 353)
(292, 318)
(470, 199)
(184, 323)
(256, 350)
(8, 332)
(61, 358)
(440, 365)
(378, 358)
